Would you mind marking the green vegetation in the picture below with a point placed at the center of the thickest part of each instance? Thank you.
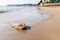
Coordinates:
(59, 1)
(52, 1)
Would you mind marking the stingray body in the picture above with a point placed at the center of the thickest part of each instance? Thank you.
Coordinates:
(18, 26)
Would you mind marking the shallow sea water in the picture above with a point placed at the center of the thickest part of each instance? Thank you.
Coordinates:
(26, 14)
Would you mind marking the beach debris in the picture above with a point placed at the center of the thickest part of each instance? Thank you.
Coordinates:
(18, 26)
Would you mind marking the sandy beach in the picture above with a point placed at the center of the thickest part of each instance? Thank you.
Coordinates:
(49, 29)
(45, 30)
(29, 15)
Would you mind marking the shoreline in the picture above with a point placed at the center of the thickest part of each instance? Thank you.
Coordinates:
(49, 29)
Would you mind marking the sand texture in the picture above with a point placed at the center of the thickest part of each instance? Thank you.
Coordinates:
(29, 15)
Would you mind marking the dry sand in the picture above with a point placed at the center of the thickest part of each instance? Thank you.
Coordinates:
(49, 29)
(46, 30)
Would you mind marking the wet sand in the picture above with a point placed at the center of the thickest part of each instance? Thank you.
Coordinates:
(46, 30)
(49, 29)
(28, 15)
